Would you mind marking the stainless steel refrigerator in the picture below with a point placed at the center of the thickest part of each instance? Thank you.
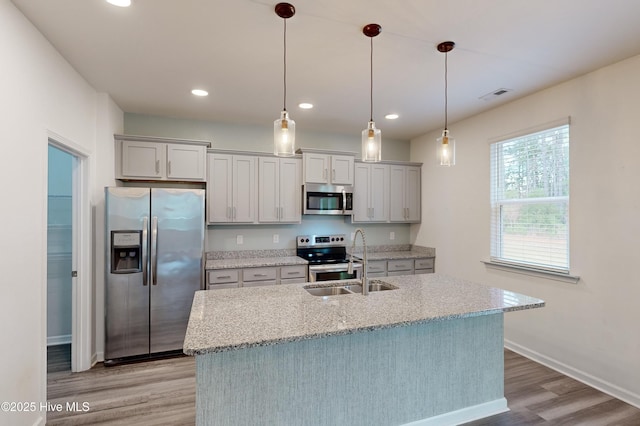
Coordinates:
(154, 264)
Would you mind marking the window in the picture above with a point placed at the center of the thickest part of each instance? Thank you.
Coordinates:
(530, 200)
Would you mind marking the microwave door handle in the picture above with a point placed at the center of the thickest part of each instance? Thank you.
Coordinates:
(344, 201)
(145, 254)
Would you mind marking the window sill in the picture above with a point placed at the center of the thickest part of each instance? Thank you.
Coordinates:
(534, 272)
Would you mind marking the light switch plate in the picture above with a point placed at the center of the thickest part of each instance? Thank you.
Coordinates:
(276, 238)
(239, 239)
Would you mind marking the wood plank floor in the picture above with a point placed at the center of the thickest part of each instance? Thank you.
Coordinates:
(162, 392)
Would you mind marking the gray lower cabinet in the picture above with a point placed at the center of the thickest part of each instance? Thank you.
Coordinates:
(255, 277)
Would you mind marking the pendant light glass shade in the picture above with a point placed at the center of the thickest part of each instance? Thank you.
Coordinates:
(371, 143)
(446, 149)
(284, 128)
(284, 136)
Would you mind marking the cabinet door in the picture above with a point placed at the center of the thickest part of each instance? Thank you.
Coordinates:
(143, 160)
(342, 169)
(186, 162)
(244, 189)
(290, 190)
(412, 194)
(397, 210)
(219, 188)
(379, 193)
(268, 185)
(316, 168)
(361, 191)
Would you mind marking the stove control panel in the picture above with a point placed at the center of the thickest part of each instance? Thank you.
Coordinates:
(321, 240)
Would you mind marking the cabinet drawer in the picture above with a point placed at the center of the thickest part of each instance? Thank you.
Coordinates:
(258, 283)
(424, 263)
(258, 274)
(296, 271)
(400, 265)
(222, 276)
(377, 266)
(221, 286)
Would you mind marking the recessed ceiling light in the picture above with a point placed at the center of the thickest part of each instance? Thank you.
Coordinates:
(120, 3)
(199, 92)
(305, 105)
(391, 116)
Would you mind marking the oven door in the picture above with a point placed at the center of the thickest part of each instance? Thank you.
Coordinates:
(327, 199)
(334, 272)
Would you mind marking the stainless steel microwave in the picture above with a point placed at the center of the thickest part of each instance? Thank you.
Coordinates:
(327, 199)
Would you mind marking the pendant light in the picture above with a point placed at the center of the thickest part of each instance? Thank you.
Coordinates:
(446, 144)
(371, 137)
(284, 128)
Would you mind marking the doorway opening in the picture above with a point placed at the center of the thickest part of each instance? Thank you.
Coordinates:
(69, 290)
(59, 258)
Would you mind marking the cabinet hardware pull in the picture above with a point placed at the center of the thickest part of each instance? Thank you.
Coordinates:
(259, 275)
(292, 273)
(157, 166)
(333, 176)
(224, 277)
(235, 212)
(169, 168)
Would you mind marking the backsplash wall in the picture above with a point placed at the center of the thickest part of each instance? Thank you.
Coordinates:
(260, 237)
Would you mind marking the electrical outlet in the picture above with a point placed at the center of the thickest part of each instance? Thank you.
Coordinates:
(239, 239)
(276, 238)
(392, 235)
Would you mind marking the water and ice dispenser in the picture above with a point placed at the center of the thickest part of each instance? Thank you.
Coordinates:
(126, 252)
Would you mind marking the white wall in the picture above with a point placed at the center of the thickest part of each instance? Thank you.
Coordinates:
(588, 329)
(41, 93)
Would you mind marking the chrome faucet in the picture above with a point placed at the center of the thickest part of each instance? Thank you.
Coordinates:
(364, 281)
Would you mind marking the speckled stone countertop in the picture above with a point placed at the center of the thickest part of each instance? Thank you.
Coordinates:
(394, 252)
(254, 262)
(231, 319)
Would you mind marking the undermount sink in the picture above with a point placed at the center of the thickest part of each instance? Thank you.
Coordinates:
(349, 289)
(373, 286)
(327, 291)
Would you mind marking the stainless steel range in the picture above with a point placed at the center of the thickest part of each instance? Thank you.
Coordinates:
(327, 256)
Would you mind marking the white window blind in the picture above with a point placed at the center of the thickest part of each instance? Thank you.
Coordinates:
(530, 200)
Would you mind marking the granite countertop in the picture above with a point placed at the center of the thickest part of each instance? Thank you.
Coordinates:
(254, 262)
(394, 255)
(231, 319)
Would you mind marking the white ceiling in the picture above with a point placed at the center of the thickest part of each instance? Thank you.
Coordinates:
(149, 56)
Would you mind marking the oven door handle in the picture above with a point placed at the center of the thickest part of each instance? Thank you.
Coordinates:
(321, 269)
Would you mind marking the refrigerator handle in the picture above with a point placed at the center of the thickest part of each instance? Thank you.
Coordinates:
(154, 250)
(145, 254)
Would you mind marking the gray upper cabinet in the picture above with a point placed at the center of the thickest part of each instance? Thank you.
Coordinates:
(147, 158)
(371, 193)
(328, 168)
(279, 190)
(406, 195)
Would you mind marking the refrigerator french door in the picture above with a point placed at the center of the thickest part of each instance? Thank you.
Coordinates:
(154, 255)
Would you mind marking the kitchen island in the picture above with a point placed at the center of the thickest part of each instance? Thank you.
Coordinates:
(429, 351)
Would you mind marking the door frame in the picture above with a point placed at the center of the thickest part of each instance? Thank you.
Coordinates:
(81, 321)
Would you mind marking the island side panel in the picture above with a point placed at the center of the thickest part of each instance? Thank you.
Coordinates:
(381, 377)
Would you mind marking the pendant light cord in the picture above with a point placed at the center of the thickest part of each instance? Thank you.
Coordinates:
(284, 100)
(446, 107)
(371, 85)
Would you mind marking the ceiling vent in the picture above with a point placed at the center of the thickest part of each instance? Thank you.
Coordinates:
(496, 93)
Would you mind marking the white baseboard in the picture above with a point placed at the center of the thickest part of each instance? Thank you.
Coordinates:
(58, 340)
(581, 376)
(465, 415)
